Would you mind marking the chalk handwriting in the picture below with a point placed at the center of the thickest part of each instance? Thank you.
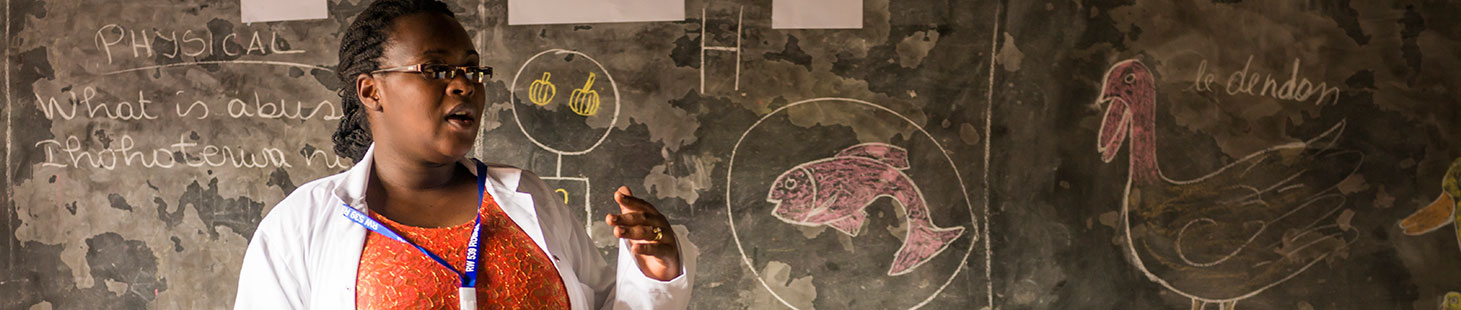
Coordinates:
(309, 160)
(92, 107)
(204, 42)
(196, 104)
(124, 110)
(1248, 82)
(72, 153)
(238, 108)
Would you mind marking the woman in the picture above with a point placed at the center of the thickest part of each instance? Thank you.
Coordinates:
(415, 225)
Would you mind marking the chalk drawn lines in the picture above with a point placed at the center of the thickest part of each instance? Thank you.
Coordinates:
(512, 91)
(9, 186)
(836, 192)
(587, 188)
(1441, 212)
(730, 214)
(588, 99)
(221, 62)
(740, 17)
(541, 92)
(988, 121)
(584, 101)
(1277, 195)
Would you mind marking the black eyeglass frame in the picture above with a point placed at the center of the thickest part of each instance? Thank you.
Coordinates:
(478, 74)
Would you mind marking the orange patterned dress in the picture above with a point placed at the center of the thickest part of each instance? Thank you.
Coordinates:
(515, 274)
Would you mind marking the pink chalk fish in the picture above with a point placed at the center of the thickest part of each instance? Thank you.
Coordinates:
(836, 191)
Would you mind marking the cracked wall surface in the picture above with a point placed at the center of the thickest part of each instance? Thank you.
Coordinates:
(145, 140)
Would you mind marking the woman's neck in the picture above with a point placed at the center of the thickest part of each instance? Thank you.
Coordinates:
(399, 173)
(418, 193)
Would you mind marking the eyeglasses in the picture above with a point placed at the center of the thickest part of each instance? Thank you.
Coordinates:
(444, 72)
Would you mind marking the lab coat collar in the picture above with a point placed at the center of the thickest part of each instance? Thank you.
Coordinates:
(356, 180)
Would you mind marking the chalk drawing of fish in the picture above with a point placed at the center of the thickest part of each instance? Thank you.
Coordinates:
(836, 191)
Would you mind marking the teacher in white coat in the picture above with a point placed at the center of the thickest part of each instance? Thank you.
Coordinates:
(415, 224)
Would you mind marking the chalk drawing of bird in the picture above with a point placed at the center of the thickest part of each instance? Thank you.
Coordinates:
(1231, 234)
(1441, 212)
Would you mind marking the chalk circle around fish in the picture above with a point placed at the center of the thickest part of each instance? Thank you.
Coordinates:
(585, 105)
(781, 197)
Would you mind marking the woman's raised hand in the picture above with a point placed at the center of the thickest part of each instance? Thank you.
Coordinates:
(650, 237)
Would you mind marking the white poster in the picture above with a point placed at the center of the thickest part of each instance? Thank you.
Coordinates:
(281, 10)
(535, 12)
(816, 14)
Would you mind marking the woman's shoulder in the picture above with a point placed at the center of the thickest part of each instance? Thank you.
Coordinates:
(309, 202)
(519, 179)
(506, 174)
(500, 167)
(317, 190)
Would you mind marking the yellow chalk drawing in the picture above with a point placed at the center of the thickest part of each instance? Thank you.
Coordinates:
(1442, 212)
(542, 91)
(585, 101)
(564, 192)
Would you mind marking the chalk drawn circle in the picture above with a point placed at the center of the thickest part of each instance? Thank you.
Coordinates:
(974, 231)
(512, 93)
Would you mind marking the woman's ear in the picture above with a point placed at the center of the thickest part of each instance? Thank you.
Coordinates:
(367, 92)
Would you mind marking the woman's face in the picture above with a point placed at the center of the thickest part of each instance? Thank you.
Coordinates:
(433, 120)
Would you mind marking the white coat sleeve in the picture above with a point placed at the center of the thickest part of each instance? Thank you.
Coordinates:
(638, 291)
(272, 274)
(623, 286)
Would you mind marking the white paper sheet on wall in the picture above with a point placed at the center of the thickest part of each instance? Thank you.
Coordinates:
(535, 12)
(816, 14)
(281, 10)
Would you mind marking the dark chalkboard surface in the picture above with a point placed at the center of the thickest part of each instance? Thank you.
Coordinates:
(948, 155)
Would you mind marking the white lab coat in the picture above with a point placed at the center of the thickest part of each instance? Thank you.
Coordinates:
(305, 253)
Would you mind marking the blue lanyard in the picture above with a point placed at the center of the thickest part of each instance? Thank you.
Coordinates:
(469, 276)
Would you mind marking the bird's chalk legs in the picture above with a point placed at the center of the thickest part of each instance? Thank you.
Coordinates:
(1199, 305)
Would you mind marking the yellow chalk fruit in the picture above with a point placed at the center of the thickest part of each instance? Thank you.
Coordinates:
(564, 192)
(542, 91)
(585, 101)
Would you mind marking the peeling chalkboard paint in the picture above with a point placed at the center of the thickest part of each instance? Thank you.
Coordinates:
(280, 179)
(240, 214)
(124, 272)
(792, 53)
(1006, 87)
(118, 202)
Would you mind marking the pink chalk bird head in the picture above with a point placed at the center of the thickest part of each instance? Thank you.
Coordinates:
(794, 194)
(1127, 86)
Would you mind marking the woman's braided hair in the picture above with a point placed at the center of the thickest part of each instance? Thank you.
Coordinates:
(360, 51)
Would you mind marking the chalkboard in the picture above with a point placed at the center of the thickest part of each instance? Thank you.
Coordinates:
(946, 155)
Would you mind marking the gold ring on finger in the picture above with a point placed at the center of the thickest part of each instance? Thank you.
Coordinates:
(658, 233)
